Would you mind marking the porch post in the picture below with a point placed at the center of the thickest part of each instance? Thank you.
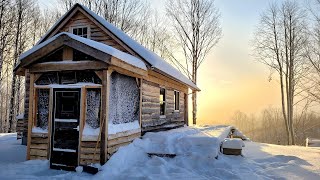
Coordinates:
(30, 114)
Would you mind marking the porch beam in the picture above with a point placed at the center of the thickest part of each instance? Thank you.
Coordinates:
(69, 65)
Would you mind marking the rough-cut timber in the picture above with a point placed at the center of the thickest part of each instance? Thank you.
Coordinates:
(89, 153)
(39, 146)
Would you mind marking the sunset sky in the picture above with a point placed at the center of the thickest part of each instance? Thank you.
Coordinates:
(230, 78)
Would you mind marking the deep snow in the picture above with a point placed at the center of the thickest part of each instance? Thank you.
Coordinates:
(196, 149)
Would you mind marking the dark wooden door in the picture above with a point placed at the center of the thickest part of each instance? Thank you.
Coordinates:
(65, 129)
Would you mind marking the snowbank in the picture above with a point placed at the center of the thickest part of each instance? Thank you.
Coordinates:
(89, 133)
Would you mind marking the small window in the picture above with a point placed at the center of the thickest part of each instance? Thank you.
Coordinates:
(162, 99)
(82, 31)
(176, 100)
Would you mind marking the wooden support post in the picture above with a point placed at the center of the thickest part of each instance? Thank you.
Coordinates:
(82, 118)
(50, 122)
(186, 107)
(30, 115)
(140, 105)
(67, 54)
(105, 115)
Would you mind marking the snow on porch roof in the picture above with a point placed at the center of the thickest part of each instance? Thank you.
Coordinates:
(156, 62)
(127, 58)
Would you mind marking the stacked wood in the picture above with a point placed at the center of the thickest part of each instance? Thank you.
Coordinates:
(20, 128)
(89, 153)
(39, 146)
(115, 141)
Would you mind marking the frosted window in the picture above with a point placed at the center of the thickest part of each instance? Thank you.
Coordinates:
(43, 108)
(124, 99)
(93, 108)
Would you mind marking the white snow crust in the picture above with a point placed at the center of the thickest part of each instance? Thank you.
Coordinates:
(116, 128)
(196, 149)
(232, 143)
(39, 130)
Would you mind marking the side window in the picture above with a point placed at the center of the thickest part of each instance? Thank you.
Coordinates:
(176, 100)
(162, 99)
(82, 31)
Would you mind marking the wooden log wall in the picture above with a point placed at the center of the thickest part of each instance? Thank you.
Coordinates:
(89, 153)
(26, 105)
(115, 141)
(96, 33)
(39, 148)
(150, 118)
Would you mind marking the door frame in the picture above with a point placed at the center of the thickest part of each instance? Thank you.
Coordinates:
(52, 131)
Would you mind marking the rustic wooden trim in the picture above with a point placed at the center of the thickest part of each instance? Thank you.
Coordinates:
(67, 54)
(50, 122)
(82, 119)
(99, 74)
(140, 103)
(119, 63)
(30, 118)
(71, 65)
(124, 71)
(186, 114)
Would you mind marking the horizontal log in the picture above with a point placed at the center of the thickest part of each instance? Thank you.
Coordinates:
(151, 94)
(90, 156)
(150, 99)
(39, 141)
(150, 110)
(89, 150)
(150, 116)
(89, 144)
(125, 139)
(154, 122)
(145, 82)
(39, 146)
(162, 127)
(38, 152)
(123, 134)
(32, 157)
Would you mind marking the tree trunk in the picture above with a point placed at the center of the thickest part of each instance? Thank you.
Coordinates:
(194, 94)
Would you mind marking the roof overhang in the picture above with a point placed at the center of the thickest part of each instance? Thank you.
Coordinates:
(99, 51)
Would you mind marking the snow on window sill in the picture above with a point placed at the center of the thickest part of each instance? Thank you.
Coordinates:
(162, 116)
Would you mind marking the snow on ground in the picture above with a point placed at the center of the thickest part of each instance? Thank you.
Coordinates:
(196, 148)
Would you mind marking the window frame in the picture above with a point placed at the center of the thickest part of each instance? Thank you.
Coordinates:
(78, 27)
(164, 102)
(176, 108)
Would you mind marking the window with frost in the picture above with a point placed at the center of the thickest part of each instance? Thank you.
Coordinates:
(176, 100)
(82, 31)
(43, 108)
(93, 108)
(162, 99)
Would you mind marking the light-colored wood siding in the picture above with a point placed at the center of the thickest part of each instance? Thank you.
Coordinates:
(89, 153)
(39, 147)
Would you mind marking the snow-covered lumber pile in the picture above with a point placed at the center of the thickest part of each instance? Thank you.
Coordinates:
(232, 146)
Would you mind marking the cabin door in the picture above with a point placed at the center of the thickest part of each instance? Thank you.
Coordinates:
(65, 129)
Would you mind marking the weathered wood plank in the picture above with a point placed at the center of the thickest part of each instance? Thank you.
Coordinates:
(38, 152)
(121, 140)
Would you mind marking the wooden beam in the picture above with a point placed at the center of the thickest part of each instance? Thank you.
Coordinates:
(70, 65)
(67, 54)
(140, 104)
(121, 64)
(50, 121)
(30, 118)
(82, 118)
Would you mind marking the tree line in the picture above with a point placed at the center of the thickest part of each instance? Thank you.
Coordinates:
(183, 36)
(287, 42)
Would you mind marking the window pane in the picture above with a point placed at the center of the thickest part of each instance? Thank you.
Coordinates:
(80, 32)
(162, 99)
(85, 31)
(43, 108)
(75, 31)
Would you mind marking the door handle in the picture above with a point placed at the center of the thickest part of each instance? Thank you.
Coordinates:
(77, 128)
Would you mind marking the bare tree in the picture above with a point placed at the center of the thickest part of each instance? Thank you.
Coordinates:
(197, 28)
(279, 43)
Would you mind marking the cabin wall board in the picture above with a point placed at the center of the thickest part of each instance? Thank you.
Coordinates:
(118, 140)
(150, 112)
(89, 152)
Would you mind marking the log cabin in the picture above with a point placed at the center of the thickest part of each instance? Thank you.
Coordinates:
(91, 89)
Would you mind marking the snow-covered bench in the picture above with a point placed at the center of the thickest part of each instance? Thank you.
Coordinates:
(232, 146)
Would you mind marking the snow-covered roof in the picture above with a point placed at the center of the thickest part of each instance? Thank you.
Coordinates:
(125, 57)
(153, 59)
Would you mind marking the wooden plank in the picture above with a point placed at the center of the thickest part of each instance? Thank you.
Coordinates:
(140, 103)
(123, 139)
(84, 150)
(124, 133)
(39, 140)
(39, 146)
(82, 117)
(120, 63)
(89, 144)
(38, 157)
(30, 118)
(67, 54)
(38, 152)
(90, 156)
(71, 65)
(39, 135)
(115, 148)
(50, 122)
